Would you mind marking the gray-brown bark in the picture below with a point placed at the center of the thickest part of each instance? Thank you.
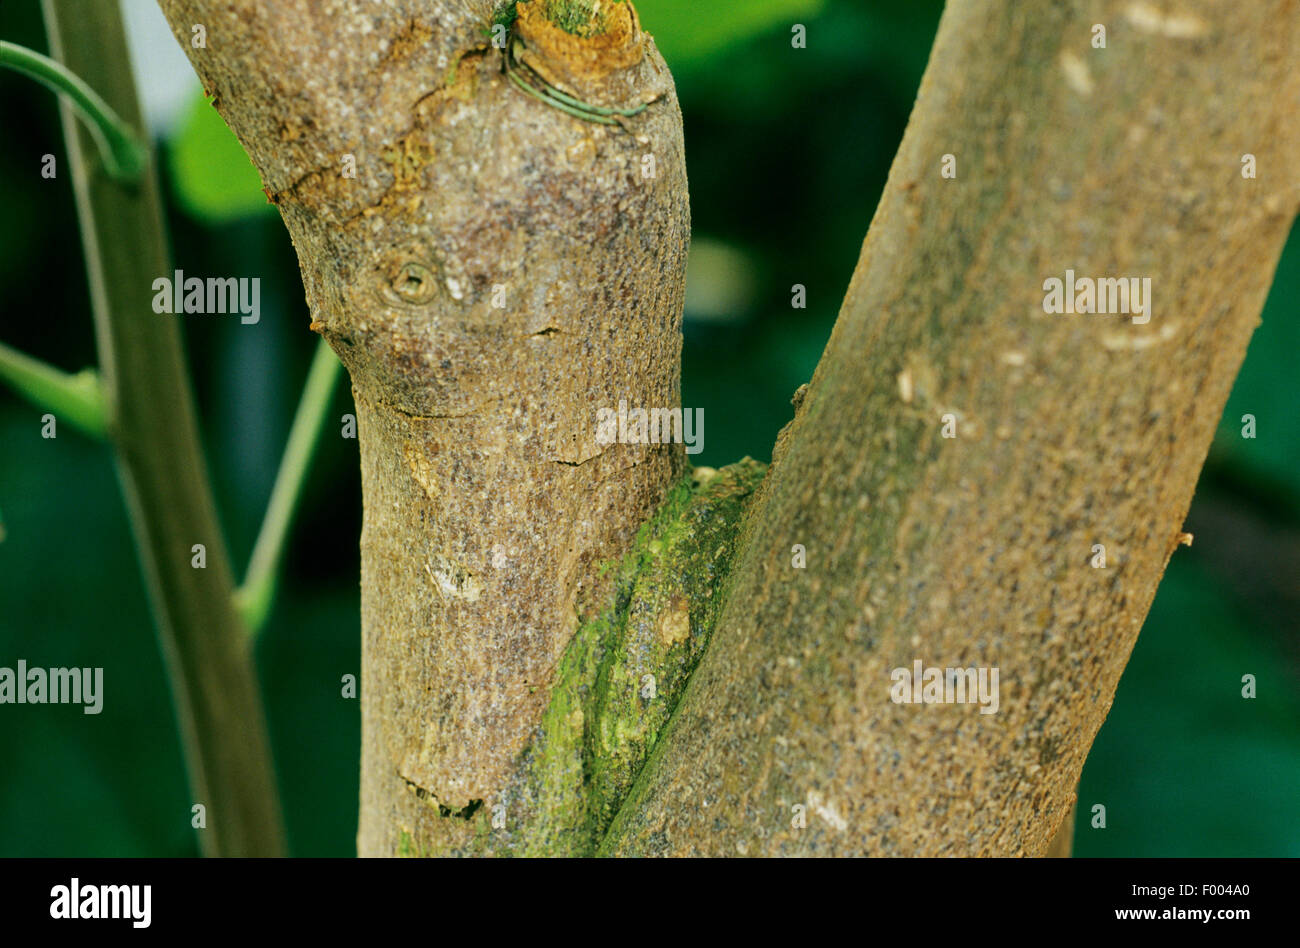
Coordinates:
(477, 431)
(496, 271)
(1073, 430)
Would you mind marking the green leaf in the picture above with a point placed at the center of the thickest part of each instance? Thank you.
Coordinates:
(212, 175)
(688, 35)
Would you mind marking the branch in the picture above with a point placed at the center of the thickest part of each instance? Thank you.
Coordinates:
(1072, 430)
(124, 156)
(491, 269)
(255, 596)
(77, 398)
(161, 465)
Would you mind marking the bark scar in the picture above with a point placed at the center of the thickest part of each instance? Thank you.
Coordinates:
(429, 797)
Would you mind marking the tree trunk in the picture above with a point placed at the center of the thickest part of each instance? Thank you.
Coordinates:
(496, 270)
(1072, 430)
(499, 268)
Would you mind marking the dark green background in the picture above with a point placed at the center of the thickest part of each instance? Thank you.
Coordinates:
(787, 152)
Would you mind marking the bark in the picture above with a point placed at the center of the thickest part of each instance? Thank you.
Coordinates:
(495, 272)
(1072, 430)
(498, 654)
(1062, 844)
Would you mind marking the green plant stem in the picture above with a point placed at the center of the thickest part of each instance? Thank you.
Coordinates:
(256, 595)
(576, 113)
(75, 398)
(161, 466)
(124, 156)
(551, 92)
(565, 103)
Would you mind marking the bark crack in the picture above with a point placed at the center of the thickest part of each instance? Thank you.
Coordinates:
(428, 796)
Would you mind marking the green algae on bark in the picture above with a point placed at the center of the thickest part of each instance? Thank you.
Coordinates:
(619, 679)
(622, 674)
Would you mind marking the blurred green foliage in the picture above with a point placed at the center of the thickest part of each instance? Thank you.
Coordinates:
(787, 151)
(1184, 765)
(1273, 455)
(689, 32)
(213, 178)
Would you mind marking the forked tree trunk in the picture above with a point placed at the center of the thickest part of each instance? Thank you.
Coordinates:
(498, 269)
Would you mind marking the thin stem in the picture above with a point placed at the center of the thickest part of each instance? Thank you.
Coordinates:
(555, 104)
(555, 93)
(75, 398)
(161, 466)
(124, 155)
(558, 99)
(255, 596)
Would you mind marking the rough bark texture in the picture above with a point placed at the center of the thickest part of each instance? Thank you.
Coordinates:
(616, 686)
(495, 272)
(1072, 430)
(488, 503)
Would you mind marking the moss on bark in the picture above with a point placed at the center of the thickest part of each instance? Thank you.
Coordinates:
(617, 683)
